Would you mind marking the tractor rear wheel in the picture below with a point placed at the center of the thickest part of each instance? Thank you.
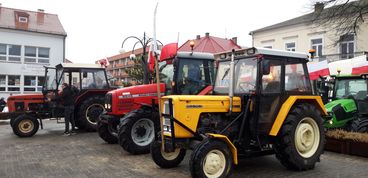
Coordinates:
(104, 133)
(360, 125)
(12, 121)
(164, 159)
(301, 139)
(89, 112)
(137, 131)
(211, 158)
(25, 126)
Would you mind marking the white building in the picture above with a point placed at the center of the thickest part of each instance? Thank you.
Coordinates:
(28, 41)
(301, 34)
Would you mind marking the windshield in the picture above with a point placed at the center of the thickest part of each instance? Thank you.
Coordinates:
(244, 77)
(356, 88)
(166, 73)
(50, 83)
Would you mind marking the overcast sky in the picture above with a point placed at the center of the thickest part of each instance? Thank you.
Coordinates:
(96, 29)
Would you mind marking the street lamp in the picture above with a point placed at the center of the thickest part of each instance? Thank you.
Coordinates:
(144, 43)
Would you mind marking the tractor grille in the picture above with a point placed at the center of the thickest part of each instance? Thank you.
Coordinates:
(166, 119)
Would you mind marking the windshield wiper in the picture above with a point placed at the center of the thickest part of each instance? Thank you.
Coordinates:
(225, 74)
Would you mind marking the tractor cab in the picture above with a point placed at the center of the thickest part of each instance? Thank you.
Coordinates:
(82, 76)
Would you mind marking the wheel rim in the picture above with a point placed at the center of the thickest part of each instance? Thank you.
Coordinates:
(214, 163)
(93, 112)
(170, 155)
(26, 126)
(307, 137)
(143, 132)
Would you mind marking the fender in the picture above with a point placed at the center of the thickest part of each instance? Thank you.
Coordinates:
(285, 108)
(232, 147)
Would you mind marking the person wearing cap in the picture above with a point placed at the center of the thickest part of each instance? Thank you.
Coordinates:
(2, 104)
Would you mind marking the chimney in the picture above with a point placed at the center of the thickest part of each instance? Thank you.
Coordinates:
(235, 40)
(40, 16)
(318, 7)
(207, 34)
(198, 37)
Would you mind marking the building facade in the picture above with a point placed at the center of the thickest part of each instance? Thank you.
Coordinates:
(300, 34)
(28, 41)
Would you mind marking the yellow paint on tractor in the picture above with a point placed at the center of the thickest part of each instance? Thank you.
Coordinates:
(232, 147)
(188, 108)
(285, 109)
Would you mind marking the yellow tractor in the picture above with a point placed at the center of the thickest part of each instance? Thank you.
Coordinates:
(262, 104)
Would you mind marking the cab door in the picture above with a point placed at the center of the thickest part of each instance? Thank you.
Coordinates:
(270, 94)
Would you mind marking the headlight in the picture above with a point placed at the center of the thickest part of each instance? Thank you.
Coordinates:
(108, 102)
(166, 120)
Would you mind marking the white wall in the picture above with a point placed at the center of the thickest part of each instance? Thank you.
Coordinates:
(23, 38)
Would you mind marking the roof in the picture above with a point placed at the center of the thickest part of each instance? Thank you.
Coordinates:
(264, 51)
(210, 44)
(39, 22)
(127, 54)
(304, 19)
(72, 65)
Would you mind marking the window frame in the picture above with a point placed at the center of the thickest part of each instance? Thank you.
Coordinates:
(322, 45)
(289, 42)
(37, 57)
(347, 55)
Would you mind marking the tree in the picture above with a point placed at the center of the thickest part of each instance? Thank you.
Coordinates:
(136, 71)
(344, 16)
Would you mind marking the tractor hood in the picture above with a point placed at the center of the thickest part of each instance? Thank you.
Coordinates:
(126, 99)
(138, 91)
(21, 102)
(26, 97)
(341, 112)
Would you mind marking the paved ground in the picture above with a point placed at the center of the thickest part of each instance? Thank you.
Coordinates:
(48, 154)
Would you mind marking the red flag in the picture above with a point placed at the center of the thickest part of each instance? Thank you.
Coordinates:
(169, 51)
(151, 59)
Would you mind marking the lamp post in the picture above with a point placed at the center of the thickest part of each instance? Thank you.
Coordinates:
(144, 43)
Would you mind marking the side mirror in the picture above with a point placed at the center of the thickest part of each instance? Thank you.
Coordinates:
(266, 68)
(84, 74)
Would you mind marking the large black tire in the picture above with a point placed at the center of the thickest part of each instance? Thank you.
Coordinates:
(104, 133)
(300, 141)
(360, 125)
(25, 126)
(89, 112)
(137, 130)
(166, 160)
(211, 158)
(12, 121)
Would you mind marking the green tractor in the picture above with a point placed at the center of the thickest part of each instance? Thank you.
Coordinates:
(348, 106)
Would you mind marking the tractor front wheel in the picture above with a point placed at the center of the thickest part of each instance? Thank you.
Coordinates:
(104, 133)
(25, 126)
(166, 159)
(137, 131)
(301, 139)
(89, 112)
(211, 158)
(360, 125)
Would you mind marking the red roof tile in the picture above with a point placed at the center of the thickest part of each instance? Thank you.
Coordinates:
(36, 21)
(210, 44)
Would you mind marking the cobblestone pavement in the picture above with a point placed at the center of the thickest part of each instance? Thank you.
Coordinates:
(48, 154)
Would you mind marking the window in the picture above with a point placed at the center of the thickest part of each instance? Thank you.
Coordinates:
(40, 82)
(317, 45)
(2, 82)
(36, 54)
(295, 79)
(13, 83)
(347, 46)
(290, 46)
(29, 83)
(271, 82)
(23, 19)
(10, 52)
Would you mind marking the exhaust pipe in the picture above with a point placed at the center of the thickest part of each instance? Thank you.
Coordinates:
(231, 87)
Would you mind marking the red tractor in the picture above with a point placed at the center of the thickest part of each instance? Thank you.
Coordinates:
(26, 112)
(131, 116)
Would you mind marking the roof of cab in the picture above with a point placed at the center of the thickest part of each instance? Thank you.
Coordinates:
(264, 51)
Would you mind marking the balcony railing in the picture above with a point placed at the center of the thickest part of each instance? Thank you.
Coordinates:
(337, 57)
